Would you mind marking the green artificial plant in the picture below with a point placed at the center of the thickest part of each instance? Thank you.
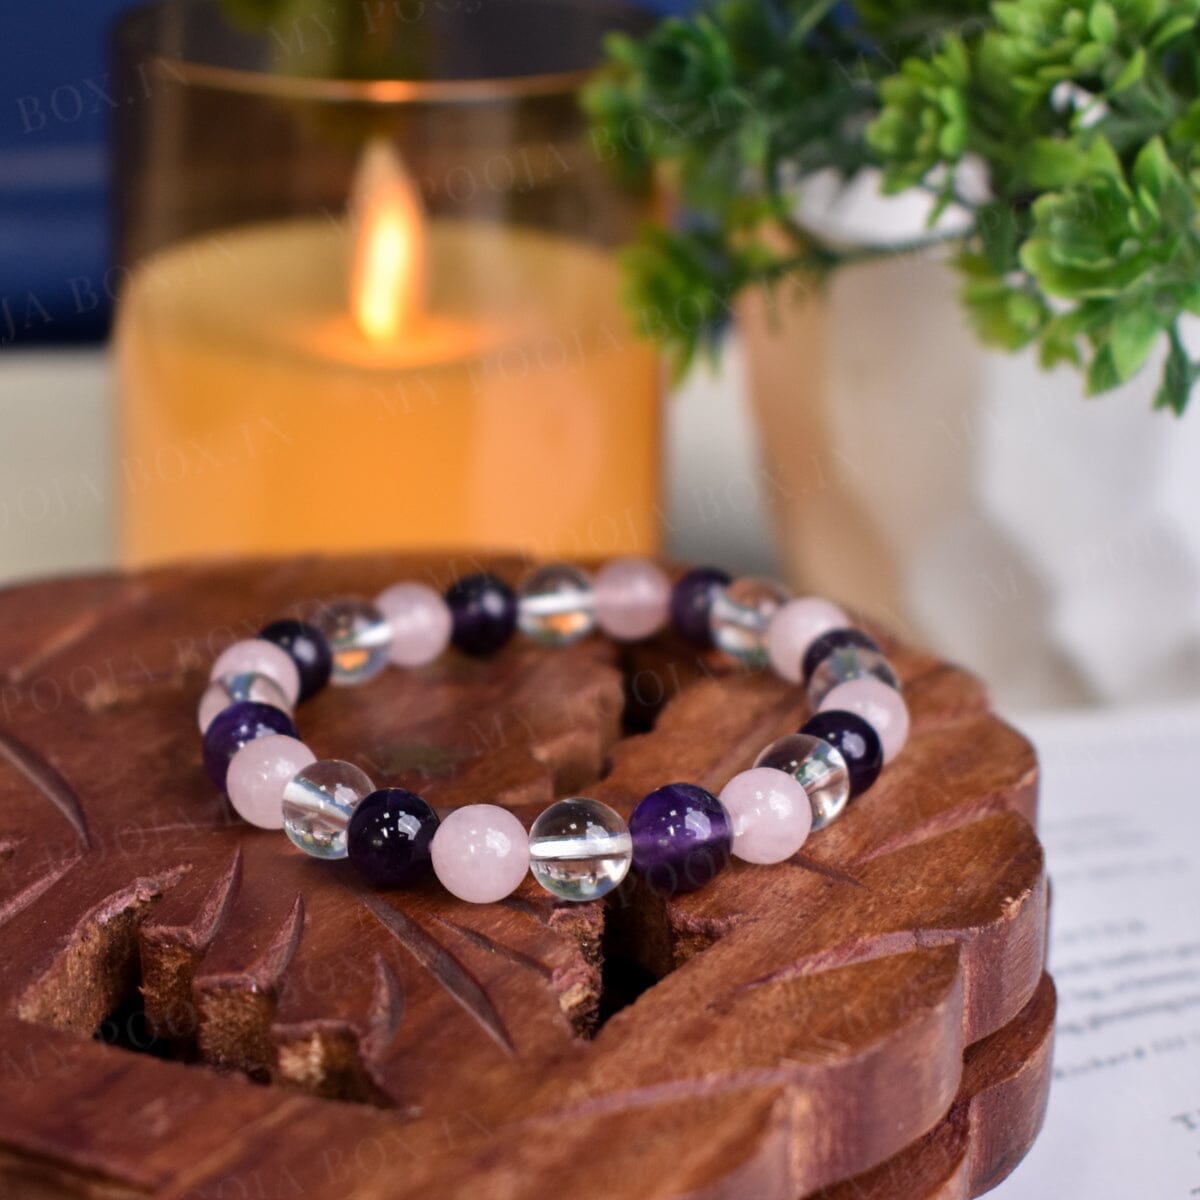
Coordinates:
(1081, 118)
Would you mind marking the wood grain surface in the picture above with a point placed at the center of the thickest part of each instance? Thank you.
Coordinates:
(869, 1019)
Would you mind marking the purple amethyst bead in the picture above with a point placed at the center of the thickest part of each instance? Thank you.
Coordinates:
(682, 838)
(484, 611)
(831, 641)
(388, 837)
(857, 741)
(308, 648)
(691, 601)
(232, 729)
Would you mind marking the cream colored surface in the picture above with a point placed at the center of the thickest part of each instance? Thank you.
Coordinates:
(56, 468)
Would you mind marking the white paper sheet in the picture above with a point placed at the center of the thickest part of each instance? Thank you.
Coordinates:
(1120, 819)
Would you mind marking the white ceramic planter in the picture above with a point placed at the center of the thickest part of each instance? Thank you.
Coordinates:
(1049, 541)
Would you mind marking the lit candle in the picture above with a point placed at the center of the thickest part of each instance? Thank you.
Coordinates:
(389, 251)
(383, 381)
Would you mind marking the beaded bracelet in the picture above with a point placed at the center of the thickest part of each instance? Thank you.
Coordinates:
(678, 836)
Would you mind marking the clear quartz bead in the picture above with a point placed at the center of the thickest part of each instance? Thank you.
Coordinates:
(359, 638)
(846, 663)
(579, 849)
(817, 766)
(556, 606)
(236, 687)
(318, 802)
(739, 617)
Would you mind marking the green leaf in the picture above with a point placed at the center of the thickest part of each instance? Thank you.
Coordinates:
(999, 235)
(754, 142)
(1003, 317)
(1177, 379)
(1133, 70)
(1089, 58)
(1058, 344)
(623, 49)
(1185, 131)
(1089, 318)
(1172, 394)
(1134, 332)
(1057, 162)
(808, 16)
(1102, 375)
(1172, 28)
(1102, 23)
(1153, 169)
(1074, 26)
(1094, 206)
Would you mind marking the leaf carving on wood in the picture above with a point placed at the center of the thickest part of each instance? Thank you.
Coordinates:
(460, 985)
(45, 781)
(788, 1029)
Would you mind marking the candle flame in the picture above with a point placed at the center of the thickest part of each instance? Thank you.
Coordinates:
(389, 245)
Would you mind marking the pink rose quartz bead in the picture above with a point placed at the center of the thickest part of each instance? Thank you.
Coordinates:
(480, 853)
(263, 658)
(770, 813)
(420, 621)
(633, 599)
(794, 627)
(259, 772)
(879, 705)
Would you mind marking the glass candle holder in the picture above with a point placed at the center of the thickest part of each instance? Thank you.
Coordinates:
(369, 291)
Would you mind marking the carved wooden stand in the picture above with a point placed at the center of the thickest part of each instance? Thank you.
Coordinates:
(871, 1019)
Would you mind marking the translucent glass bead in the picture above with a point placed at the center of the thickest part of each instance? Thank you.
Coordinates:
(847, 662)
(359, 638)
(740, 615)
(480, 853)
(579, 849)
(834, 639)
(817, 766)
(234, 689)
(682, 838)
(318, 802)
(263, 658)
(555, 605)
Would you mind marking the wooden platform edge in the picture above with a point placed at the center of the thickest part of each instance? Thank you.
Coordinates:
(994, 1120)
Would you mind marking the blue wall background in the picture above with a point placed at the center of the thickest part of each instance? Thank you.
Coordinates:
(54, 110)
(55, 102)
